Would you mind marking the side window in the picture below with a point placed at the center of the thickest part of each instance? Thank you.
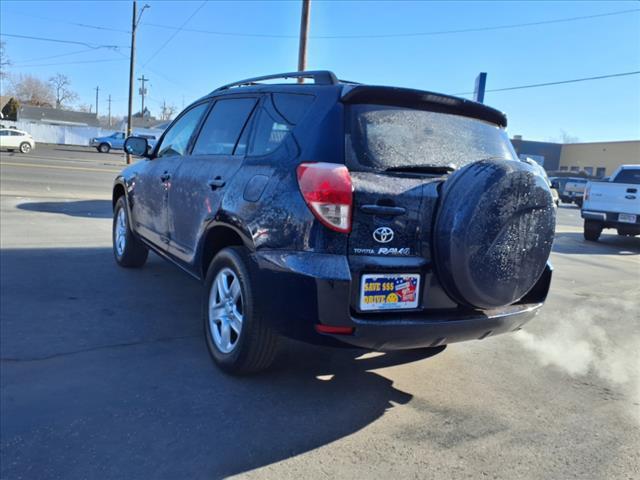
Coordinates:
(176, 140)
(276, 119)
(3, 133)
(268, 135)
(223, 126)
(292, 106)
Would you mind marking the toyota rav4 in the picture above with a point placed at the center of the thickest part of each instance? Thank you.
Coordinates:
(340, 214)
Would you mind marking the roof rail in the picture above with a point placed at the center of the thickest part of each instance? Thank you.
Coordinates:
(320, 77)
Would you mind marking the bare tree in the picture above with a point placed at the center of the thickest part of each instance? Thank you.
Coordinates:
(167, 111)
(31, 90)
(4, 60)
(63, 93)
(564, 137)
(84, 107)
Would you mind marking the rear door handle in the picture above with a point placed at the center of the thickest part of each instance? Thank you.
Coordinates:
(217, 182)
(165, 177)
(383, 210)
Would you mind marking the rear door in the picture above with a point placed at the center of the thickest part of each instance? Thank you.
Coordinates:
(204, 176)
(398, 157)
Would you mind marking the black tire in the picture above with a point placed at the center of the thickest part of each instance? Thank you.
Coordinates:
(25, 147)
(134, 253)
(104, 148)
(256, 344)
(592, 230)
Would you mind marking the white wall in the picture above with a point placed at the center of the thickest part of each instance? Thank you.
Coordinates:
(67, 135)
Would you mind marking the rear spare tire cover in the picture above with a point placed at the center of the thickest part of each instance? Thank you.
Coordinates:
(493, 233)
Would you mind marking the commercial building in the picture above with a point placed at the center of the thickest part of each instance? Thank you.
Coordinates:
(598, 159)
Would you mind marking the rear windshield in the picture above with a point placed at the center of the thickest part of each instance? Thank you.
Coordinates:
(631, 175)
(383, 137)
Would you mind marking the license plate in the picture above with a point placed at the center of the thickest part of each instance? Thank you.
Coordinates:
(389, 291)
(627, 218)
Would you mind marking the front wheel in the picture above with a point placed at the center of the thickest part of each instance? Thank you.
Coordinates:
(128, 250)
(592, 230)
(238, 335)
(25, 147)
(104, 148)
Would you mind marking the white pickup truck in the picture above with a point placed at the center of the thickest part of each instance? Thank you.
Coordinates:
(613, 204)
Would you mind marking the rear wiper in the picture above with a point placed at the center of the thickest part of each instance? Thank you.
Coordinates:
(437, 169)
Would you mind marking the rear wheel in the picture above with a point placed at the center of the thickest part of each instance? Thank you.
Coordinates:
(237, 333)
(104, 148)
(128, 250)
(592, 230)
(25, 147)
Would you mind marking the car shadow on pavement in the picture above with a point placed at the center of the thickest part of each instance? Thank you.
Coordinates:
(74, 208)
(608, 244)
(105, 374)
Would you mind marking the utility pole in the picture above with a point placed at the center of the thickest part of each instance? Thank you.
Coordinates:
(134, 25)
(304, 31)
(143, 92)
(97, 90)
(109, 101)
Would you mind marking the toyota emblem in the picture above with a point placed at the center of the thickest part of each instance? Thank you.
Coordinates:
(383, 234)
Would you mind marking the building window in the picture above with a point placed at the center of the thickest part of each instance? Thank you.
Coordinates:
(589, 170)
(601, 172)
(575, 169)
(564, 168)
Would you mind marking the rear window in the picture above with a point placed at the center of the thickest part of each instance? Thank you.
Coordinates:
(383, 137)
(628, 176)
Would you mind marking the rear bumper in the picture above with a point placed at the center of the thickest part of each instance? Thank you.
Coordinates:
(403, 333)
(610, 219)
(303, 290)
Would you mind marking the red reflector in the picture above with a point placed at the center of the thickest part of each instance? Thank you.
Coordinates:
(328, 192)
(334, 330)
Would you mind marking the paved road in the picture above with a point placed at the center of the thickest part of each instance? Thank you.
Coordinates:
(104, 372)
(60, 171)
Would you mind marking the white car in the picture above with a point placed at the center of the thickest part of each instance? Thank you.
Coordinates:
(613, 204)
(12, 139)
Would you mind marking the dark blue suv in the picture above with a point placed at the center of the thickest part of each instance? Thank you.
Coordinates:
(342, 214)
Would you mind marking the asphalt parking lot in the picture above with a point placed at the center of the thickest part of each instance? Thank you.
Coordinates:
(105, 374)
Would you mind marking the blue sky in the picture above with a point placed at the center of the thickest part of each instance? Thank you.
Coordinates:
(193, 63)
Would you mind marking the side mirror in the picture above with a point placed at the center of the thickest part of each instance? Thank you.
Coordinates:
(137, 146)
(555, 185)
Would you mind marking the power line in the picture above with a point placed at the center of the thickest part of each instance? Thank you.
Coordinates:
(57, 56)
(83, 25)
(175, 33)
(392, 35)
(535, 85)
(66, 63)
(56, 40)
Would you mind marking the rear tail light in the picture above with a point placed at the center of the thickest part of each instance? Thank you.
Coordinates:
(328, 192)
(587, 191)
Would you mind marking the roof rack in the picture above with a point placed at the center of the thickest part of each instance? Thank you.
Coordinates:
(320, 77)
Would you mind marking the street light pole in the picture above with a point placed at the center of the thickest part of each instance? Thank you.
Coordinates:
(304, 31)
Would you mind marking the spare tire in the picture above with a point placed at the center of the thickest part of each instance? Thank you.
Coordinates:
(493, 232)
